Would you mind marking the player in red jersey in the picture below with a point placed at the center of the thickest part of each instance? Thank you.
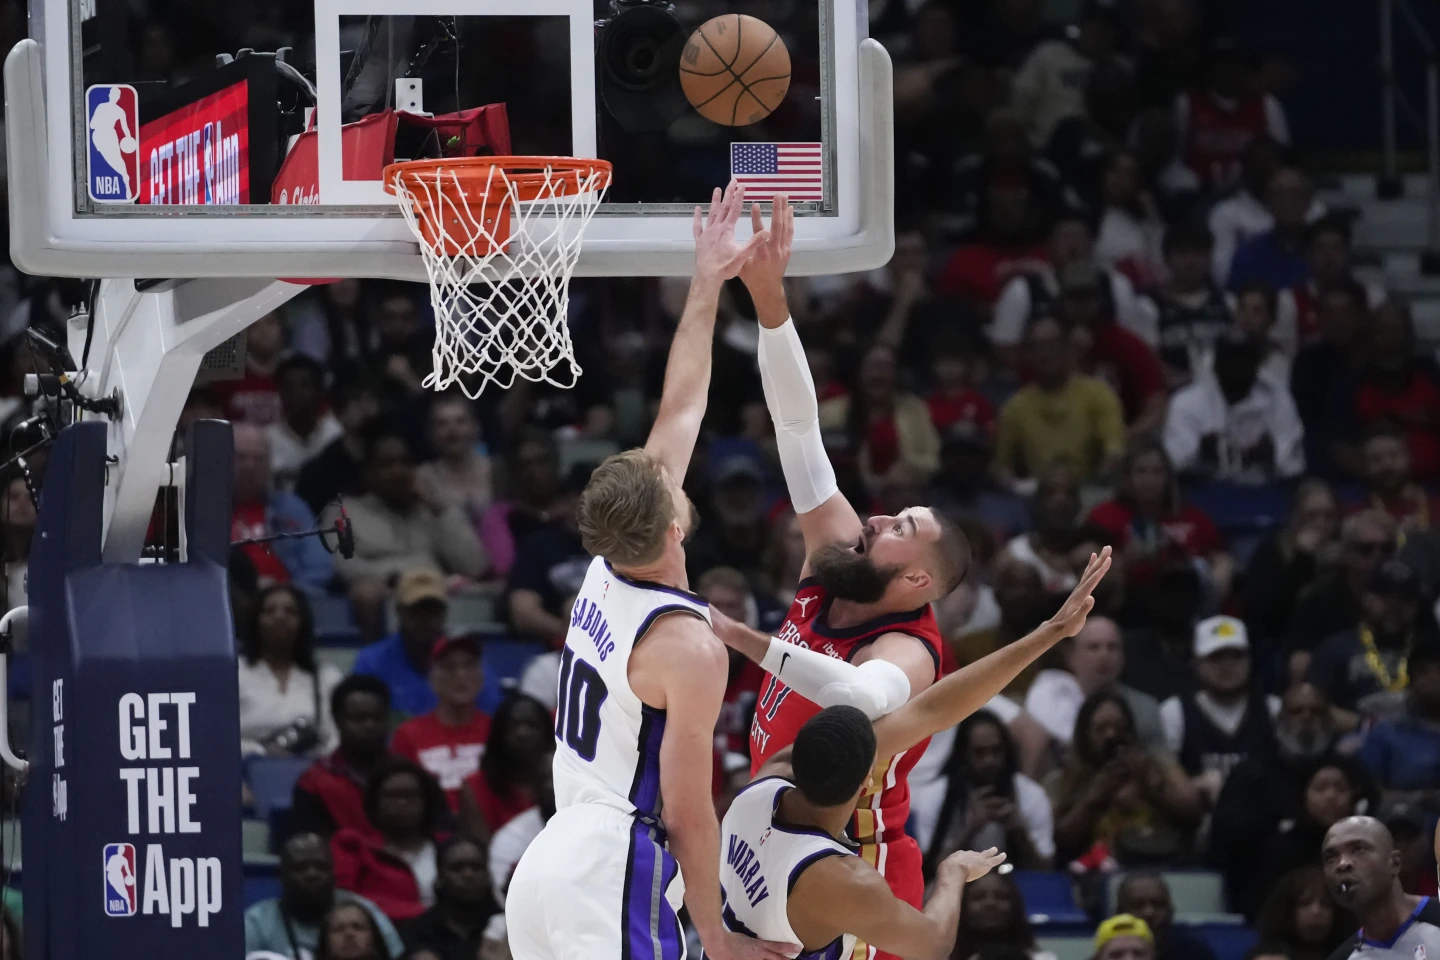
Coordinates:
(865, 593)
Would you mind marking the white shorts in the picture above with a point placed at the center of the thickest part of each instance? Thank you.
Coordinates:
(597, 884)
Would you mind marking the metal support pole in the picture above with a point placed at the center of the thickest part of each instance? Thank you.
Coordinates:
(7, 622)
(1387, 88)
(1432, 126)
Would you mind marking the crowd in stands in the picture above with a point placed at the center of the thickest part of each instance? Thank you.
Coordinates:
(1117, 315)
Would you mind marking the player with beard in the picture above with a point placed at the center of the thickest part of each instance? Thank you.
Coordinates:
(865, 591)
(1362, 870)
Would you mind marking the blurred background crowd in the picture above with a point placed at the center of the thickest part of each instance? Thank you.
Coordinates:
(1122, 311)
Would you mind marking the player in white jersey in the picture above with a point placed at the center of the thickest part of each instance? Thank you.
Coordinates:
(788, 872)
(642, 677)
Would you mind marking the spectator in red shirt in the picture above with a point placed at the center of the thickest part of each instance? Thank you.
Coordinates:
(331, 794)
(1154, 529)
(1110, 351)
(1005, 245)
(1400, 387)
(255, 397)
(450, 740)
(518, 752)
(261, 510)
(395, 864)
(1391, 486)
(1328, 252)
(1218, 122)
(954, 397)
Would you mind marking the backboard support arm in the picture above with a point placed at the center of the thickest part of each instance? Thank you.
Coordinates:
(148, 345)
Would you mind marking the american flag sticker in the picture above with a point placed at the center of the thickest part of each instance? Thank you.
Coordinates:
(794, 169)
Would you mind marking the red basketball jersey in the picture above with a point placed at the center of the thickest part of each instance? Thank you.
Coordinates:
(1218, 136)
(781, 712)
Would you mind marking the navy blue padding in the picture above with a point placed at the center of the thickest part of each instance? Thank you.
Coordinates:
(104, 632)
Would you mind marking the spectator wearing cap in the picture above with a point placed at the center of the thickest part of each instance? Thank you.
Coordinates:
(1232, 426)
(331, 793)
(1155, 529)
(1403, 752)
(890, 427)
(1193, 310)
(1332, 602)
(1050, 84)
(261, 510)
(734, 530)
(1227, 718)
(1061, 417)
(449, 740)
(395, 531)
(402, 660)
(1264, 791)
(305, 426)
(1094, 660)
(1390, 481)
(338, 469)
(1325, 379)
(1276, 258)
(550, 565)
(1036, 293)
(1124, 937)
(1146, 896)
(1218, 120)
(1329, 256)
(1365, 670)
(1400, 387)
(1110, 350)
(964, 486)
(1005, 242)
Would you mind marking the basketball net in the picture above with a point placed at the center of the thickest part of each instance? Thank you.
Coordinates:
(500, 237)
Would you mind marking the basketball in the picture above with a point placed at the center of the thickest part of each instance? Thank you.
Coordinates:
(735, 70)
(127, 145)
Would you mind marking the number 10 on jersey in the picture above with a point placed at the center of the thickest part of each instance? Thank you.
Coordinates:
(577, 708)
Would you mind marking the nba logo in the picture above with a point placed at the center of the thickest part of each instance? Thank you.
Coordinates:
(112, 127)
(119, 871)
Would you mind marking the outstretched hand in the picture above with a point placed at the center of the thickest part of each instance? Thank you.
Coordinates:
(766, 268)
(718, 255)
(971, 865)
(1071, 616)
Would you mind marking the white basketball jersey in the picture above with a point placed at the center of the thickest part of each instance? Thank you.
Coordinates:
(760, 860)
(607, 747)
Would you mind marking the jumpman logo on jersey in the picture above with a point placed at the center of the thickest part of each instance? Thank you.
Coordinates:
(804, 602)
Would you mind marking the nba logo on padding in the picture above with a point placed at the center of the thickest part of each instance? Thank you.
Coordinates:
(112, 125)
(119, 876)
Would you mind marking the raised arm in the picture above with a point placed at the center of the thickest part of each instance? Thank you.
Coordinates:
(879, 688)
(682, 662)
(718, 257)
(840, 895)
(825, 515)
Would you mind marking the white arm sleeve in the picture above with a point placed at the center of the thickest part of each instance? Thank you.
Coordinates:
(874, 688)
(790, 395)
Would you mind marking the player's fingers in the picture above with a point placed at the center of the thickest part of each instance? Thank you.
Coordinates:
(737, 203)
(698, 225)
(788, 224)
(716, 199)
(757, 223)
(754, 244)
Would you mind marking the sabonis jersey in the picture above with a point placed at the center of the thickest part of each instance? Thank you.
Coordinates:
(607, 742)
(780, 712)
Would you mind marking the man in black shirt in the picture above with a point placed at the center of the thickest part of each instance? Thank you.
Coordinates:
(1332, 603)
(1193, 310)
(339, 469)
(463, 903)
(1362, 869)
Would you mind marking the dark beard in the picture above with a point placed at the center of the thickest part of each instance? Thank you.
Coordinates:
(851, 576)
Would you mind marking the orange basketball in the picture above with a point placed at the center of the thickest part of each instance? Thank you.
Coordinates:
(735, 70)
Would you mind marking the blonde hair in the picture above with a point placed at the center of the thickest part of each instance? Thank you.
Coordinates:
(626, 509)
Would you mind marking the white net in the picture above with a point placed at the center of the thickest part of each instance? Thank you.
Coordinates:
(500, 285)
